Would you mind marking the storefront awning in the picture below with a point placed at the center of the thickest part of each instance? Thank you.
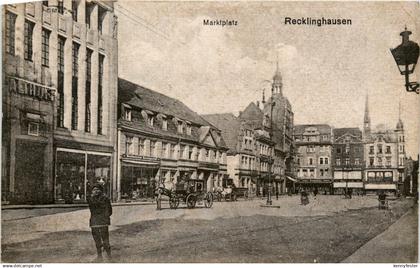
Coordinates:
(140, 163)
(348, 185)
(372, 186)
(290, 178)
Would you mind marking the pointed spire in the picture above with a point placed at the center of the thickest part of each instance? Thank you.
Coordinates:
(263, 97)
(400, 125)
(366, 126)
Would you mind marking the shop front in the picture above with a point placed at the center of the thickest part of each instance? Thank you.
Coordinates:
(76, 171)
(138, 180)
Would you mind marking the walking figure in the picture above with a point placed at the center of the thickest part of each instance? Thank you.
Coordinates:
(100, 212)
(304, 199)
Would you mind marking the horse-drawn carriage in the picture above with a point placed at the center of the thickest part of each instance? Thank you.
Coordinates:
(189, 191)
(229, 192)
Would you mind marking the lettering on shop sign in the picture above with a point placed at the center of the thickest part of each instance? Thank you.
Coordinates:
(23, 87)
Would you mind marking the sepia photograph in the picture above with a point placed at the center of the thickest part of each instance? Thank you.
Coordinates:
(221, 132)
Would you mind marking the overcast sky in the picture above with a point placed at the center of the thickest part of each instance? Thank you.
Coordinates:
(327, 71)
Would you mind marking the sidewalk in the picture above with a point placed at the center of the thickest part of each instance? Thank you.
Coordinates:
(398, 244)
(80, 205)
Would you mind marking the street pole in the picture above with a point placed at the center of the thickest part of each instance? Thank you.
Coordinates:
(269, 201)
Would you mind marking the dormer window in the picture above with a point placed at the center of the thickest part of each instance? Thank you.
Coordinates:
(150, 120)
(127, 113)
(164, 124)
(180, 127)
(188, 129)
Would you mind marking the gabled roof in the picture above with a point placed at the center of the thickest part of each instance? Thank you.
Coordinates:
(321, 128)
(252, 112)
(230, 126)
(144, 98)
(340, 132)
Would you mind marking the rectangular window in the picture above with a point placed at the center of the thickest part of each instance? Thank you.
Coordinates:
(321, 161)
(141, 146)
(74, 6)
(388, 149)
(60, 6)
(347, 161)
(171, 150)
(371, 150)
(101, 17)
(164, 124)
(10, 33)
(45, 3)
(310, 160)
(89, 7)
(28, 42)
(180, 127)
(357, 161)
(371, 161)
(152, 148)
(379, 148)
(60, 85)
(100, 86)
(75, 59)
(45, 46)
(188, 129)
(129, 145)
(150, 120)
(338, 162)
(338, 150)
(88, 89)
(74, 96)
(388, 161)
(33, 129)
(326, 161)
(127, 114)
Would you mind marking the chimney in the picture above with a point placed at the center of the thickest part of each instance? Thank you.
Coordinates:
(258, 104)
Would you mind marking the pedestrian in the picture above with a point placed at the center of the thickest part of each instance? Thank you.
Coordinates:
(100, 212)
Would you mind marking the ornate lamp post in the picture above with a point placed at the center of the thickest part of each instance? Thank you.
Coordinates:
(406, 56)
(269, 201)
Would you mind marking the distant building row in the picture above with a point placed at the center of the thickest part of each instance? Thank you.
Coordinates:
(335, 160)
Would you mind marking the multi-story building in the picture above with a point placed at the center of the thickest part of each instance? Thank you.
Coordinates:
(348, 160)
(59, 96)
(279, 109)
(160, 140)
(313, 157)
(384, 156)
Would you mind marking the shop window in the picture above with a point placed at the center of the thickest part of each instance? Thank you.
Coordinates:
(33, 129)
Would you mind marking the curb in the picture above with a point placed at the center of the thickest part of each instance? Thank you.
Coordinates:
(83, 205)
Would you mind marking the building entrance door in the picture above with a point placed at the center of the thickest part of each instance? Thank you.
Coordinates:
(29, 172)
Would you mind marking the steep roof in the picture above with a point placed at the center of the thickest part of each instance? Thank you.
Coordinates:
(322, 128)
(144, 98)
(229, 124)
(339, 132)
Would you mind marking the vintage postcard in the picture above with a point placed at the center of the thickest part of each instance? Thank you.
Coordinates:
(210, 132)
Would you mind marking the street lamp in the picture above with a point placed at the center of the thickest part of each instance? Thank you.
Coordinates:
(269, 201)
(406, 56)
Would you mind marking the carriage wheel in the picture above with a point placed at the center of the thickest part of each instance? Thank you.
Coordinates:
(173, 202)
(208, 200)
(191, 200)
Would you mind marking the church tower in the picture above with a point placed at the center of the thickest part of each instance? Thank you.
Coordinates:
(401, 140)
(277, 85)
(366, 121)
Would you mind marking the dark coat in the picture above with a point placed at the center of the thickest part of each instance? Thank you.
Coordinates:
(100, 211)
